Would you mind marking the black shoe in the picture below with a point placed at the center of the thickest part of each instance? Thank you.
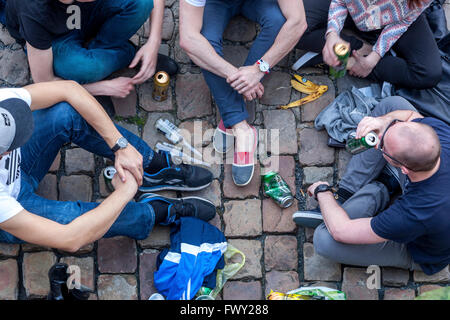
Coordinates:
(58, 281)
(390, 178)
(182, 207)
(181, 177)
(308, 218)
(313, 218)
(58, 277)
(166, 64)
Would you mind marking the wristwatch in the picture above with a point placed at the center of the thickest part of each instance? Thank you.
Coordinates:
(263, 66)
(322, 188)
(121, 143)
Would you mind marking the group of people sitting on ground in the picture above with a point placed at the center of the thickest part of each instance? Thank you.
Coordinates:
(361, 224)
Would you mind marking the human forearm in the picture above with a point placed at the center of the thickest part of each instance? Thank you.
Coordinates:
(334, 215)
(203, 54)
(93, 225)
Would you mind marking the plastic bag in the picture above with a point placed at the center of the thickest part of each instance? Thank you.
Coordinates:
(231, 268)
(438, 294)
(309, 293)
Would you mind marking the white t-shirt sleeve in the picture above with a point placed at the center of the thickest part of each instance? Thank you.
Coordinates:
(20, 93)
(197, 3)
(9, 207)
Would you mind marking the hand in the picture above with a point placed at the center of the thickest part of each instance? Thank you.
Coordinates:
(363, 66)
(118, 87)
(148, 56)
(313, 187)
(246, 79)
(329, 56)
(368, 124)
(129, 186)
(257, 92)
(129, 159)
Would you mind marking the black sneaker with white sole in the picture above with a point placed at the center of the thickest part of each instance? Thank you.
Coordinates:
(182, 207)
(180, 177)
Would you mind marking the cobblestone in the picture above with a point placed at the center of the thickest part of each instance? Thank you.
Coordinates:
(279, 255)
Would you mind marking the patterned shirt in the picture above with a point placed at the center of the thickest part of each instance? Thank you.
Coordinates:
(394, 17)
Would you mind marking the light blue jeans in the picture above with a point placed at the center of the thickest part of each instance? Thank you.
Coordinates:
(216, 17)
(55, 127)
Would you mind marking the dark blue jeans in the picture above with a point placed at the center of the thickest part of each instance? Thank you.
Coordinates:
(108, 24)
(55, 127)
(216, 17)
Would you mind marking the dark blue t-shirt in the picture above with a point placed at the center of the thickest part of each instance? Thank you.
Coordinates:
(420, 218)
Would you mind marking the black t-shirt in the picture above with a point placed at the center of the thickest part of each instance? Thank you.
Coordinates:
(420, 218)
(37, 22)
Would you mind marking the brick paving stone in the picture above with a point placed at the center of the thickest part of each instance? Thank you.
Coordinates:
(193, 96)
(79, 160)
(83, 250)
(158, 238)
(9, 279)
(211, 193)
(197, 133)
(168, 25)
(281, 281)
(277, 219)
(74, 188)
(117, 255)
(280, 253)
(355, 285)
(147, 102)
(56, 163)
(399, 294)
(48, 187)
(125, 107)
(441, 276)
(150, 133)
(313, 148)
(214, 159)
(240, 29)
(236, 55)
(395, 277)
(252, 249)
(14, 67)
(277, 89)
(87, 269)
(319, 268)
(230, 190)
(282, 124)
(347, 82)
(30, 247)
(242, 218)
(35, 269)
(314, 174)
(117, 287)
(9, 250)
(312, 109)
(239, 290)
(133, 128)
(427, 287)
(147, 267)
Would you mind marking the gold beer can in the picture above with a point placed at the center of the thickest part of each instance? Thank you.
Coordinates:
(160, 86)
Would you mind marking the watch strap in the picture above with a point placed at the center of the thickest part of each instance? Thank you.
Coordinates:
(322, 188)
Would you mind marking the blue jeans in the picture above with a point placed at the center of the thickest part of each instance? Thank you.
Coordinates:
(216, 17)
(55, 127)
(108, 24)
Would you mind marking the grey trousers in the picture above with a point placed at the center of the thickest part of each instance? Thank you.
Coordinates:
(370, 197)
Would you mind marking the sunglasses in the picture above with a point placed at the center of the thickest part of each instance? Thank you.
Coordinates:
(381, 145)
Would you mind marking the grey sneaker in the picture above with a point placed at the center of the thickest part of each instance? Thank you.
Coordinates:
(308, 218)
(223, 139)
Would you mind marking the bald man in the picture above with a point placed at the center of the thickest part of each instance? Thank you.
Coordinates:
(356, 226)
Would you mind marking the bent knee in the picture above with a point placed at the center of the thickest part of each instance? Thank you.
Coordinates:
(324, 244)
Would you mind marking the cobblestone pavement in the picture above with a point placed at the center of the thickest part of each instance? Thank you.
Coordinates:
(279, 255)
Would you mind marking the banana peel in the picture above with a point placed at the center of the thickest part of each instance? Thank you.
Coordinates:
(303, 85)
